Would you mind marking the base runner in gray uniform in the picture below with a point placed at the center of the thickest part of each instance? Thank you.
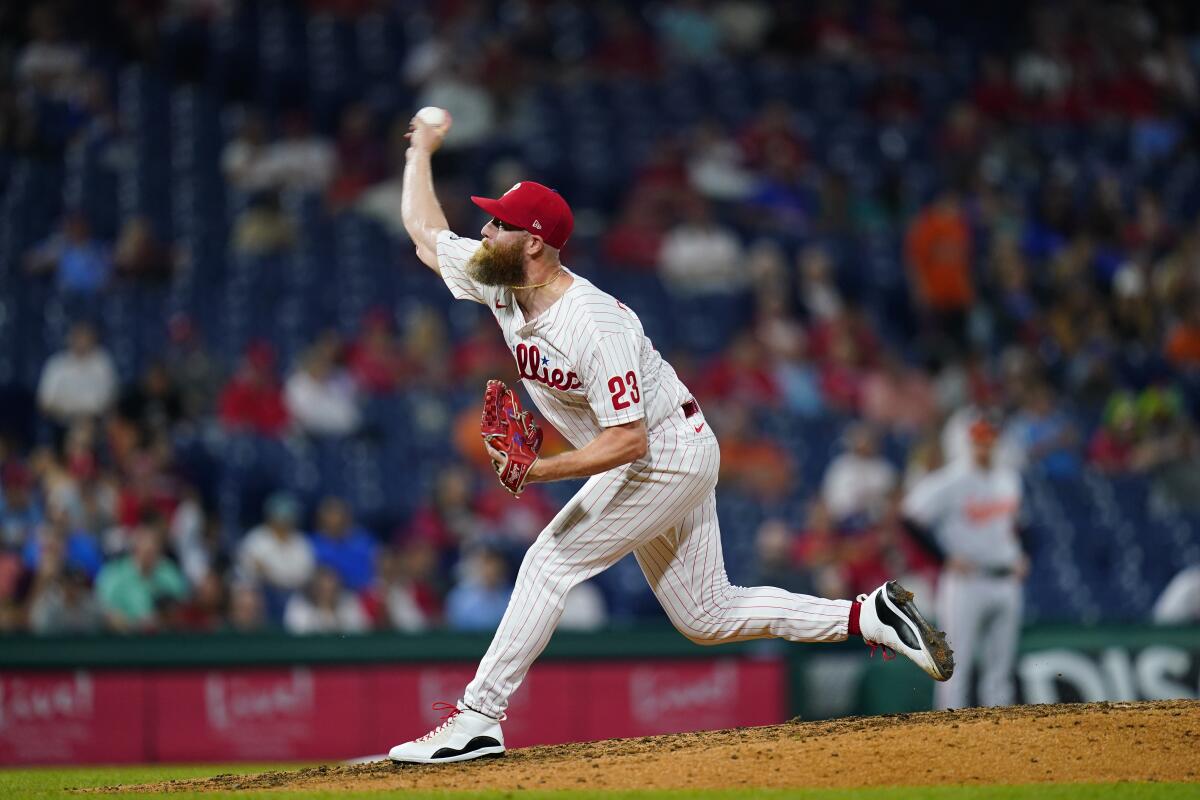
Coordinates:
(966, 513)
(649, 455)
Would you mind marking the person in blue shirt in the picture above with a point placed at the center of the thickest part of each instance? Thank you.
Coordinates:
(478, 602)
(20, 511)
(79, 547)
(80, 263)
(346, 548)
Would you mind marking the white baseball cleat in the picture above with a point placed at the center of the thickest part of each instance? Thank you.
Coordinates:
(464, 734)
(889, 618)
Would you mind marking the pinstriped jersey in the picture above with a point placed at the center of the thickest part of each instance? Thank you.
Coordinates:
(585, 361)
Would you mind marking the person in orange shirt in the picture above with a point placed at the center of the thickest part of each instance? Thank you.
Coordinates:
(938, 249)
(1183, 340)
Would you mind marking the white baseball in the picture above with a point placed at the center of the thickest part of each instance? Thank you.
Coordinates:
(433, 116)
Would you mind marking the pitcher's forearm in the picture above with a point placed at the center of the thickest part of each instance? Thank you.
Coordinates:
(419, 208)
(612, 448)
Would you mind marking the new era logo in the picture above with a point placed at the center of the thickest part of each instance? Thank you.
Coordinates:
(537, 224)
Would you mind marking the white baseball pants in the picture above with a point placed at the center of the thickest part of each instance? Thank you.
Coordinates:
(982, 619)
(664, 511)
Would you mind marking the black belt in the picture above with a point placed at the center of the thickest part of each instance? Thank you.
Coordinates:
(998, 572)
(690, 409)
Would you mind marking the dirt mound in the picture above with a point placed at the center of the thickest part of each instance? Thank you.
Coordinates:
(1094, 742)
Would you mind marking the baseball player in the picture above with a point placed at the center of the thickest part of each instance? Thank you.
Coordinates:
(643, 443)
(966, 514)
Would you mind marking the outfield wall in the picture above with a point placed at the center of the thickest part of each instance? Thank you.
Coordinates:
(276, 697)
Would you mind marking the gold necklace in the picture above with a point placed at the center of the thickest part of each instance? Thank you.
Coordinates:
(540, 285)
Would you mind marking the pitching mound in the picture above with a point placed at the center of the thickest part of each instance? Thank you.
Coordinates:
(1098, 742)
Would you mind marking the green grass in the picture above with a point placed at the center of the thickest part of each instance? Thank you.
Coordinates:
(41, 784)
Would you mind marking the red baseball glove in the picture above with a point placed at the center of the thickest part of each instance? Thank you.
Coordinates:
(509, 429)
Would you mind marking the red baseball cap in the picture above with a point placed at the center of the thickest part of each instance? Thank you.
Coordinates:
(535, 208)
(984, 429)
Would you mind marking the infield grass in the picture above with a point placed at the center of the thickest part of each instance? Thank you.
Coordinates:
(46, 783)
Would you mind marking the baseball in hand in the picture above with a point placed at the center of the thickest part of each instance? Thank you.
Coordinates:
(434, 117)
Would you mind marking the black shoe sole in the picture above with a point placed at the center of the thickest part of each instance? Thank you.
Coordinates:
(934, 641)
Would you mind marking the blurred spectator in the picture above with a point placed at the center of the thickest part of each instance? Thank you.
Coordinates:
(252, 401)
(263, 229)
(275, 553)
(1183, 339)
(885, 552)
(341, 545)
(20, 511)
(193, 371)
(48, 63)
(634, 240)
(624, 47)
(325, 607)
(375, 359)
(80, 382)
(299, 160)
(938, 249)
(61, 601)
(320, 395)
(751, 462)
(687, 31)
(1114, 444)
(141, 591)
(1179, 603)
(739, 375)
(772, 133)
(247, 608)
(361, 160)
(80, 263)
(994, 94)
(393, 601)
(447, 518)
(702, 256)
(480, 598)
(244, 160)
(584, 609)
(774, 565)
(817, 551)
(153, 404)
(820, 298)
(715, 166)
(76, 548)
(898, 397)
(1046, 435)
(858, 482)
(743, 24)
(139, 255)
(195, 538)
(206, 610)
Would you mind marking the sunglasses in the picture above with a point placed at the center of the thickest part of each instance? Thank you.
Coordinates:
(504, 226)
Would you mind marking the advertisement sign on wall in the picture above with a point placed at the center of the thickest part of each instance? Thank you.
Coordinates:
(312, 713)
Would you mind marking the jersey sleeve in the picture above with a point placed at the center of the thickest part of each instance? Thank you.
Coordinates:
(613, 380)
(453, 253)
(926, 504)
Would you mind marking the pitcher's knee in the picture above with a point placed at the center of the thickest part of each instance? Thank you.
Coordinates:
(701, 632)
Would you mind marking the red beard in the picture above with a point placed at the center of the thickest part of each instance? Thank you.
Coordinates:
(498, 264)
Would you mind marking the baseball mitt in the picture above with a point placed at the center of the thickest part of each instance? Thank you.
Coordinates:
(510, 429)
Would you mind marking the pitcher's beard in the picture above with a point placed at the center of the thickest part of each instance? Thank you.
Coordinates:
(498, 264)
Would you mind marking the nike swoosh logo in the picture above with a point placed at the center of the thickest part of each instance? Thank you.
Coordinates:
(700, 427)
(498, 304)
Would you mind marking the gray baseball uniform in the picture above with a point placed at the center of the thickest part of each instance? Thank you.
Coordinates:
(972, 511)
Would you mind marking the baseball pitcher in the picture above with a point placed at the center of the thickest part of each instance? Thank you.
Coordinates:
(642, 442)
(966, 514)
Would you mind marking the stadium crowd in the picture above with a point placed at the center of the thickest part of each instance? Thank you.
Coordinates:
(1061, 291)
